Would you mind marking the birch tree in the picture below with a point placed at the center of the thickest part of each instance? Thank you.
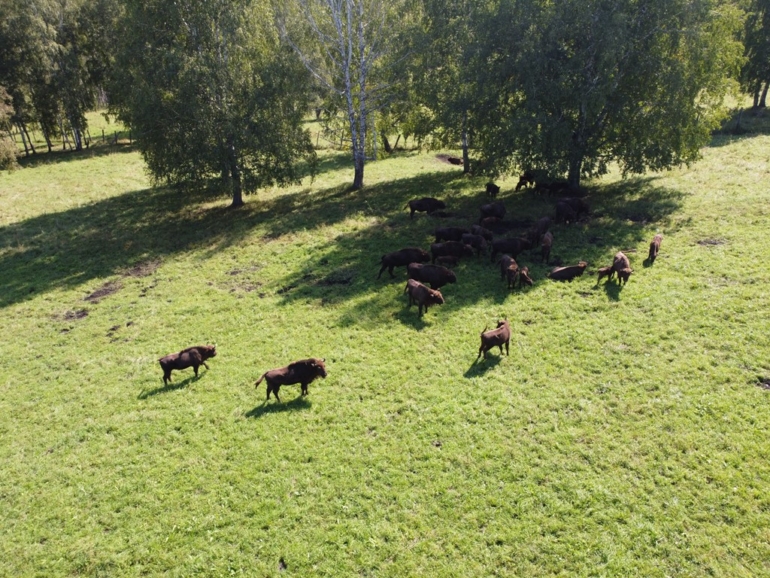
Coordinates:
(345, 45)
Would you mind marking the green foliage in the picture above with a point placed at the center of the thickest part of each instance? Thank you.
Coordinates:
(7, 145)
(573, 85)
(756, 70)
(210, 91)
(624, 436)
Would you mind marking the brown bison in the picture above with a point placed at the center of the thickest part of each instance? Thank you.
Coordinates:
(477, 242)
(605, 272)
(578, 205)
(565, 213)
(191, 357)
(492, 189)
(568, 273)
(496, 338)
(525, 179)
(454, 248)
(486, 233)
(545, 247)
(496, 209)
(448, 260)
(505, 262)
(655, 247)
(524, 277)
(423, 296)
(511, 246)
(535, 234)
(402, 258)
(435, 275)
(302, 372)
(450, 233)
(512, 274)
(622, 266)
(424, 205)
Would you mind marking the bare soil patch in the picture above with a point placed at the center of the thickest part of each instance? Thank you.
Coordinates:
(144, 269)
(105, 290)
(711, 242)
(73, 315)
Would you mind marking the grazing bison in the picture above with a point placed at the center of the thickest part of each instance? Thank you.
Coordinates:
(524, 277)
(578, 205)
(492, 189)
(511, 246)
(479, 230)
(496, 338)
(191, 357)
(302, 372)
(525, 179)
(505, 262)
(565, 213)
(453, 248)
(622, 266)
(450, 234)
(535, 234)
(511, 274)
(568, 273)
(655, 247)
(477, 242)
(434, 275)
(557, 187)
(424, 205)
(422, 295)
(545, 247)
(402, 258)
(496, 209)
(448, 260)
(605, 272)
(491, 223)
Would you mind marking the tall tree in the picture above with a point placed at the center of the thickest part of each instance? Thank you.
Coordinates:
(7, 144)
(345, 44)
(210, 91)
(755, 76)
(576, 84)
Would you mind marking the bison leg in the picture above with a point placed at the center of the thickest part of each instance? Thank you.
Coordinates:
(507, 350)
(205, 364)
(195, 369)
(304, 388)
(166, 377)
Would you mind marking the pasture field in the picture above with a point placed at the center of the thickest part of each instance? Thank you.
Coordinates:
(625, 435)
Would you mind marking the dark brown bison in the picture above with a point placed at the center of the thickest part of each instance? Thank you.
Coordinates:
(505, 262)
(655, 247)
(423, 296)
(448, 260)
(513, 247)
(565, 213)
(434, 275)
(496, 338)
(605, 272)
(496, 209)
(454, 160)
(545, 247)
(524, 277)
(424, 205)
(512, 274)
(302, 372)
(578, 205)
(402, 258)
(492, 189)
(486, 233)
(525, 179)
(453, 248)
(622, 266)
(191, 357)
(477, 242)
(568, 273)
(491, 223)
(450, 233)
(535, 234)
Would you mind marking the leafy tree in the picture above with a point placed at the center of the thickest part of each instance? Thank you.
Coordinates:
(576, 84)
(210, 91)
(755, 76)
(7, 144)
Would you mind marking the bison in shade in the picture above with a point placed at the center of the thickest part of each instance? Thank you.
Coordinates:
(655, 247)
(565, 213)
(477, 242)
(511, 246)
(622, 266)
(496, 209)
(191, 357)
(450, 234)
(545, 247)
(578, 205)
(605, 272)
(527, 178)
(492, 189)
(496, 338)
(448, 261)
(486, 233)
(423, 296)
(434, 275)
(568, 273)
(402, 258)
(453, 248)
(511, 274)
(505, 262)
(535, 234)
(302, 372)
(424, 205)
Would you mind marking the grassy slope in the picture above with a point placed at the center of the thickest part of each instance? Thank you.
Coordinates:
(623, 436)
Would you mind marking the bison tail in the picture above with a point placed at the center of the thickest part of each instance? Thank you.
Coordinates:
(256, 385)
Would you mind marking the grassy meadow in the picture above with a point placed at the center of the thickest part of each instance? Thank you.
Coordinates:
(625, 435)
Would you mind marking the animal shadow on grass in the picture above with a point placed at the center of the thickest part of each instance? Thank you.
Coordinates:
(273, 406)
(612, 290)
(169, 387)
(480, 366)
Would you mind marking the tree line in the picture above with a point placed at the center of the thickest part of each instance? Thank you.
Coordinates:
(217, 91)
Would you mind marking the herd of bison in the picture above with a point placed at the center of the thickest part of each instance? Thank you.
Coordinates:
(451, 245)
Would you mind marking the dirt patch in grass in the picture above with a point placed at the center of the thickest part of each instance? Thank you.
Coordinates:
(711, 242)
(105, 290)
(73, 315)
(144, 269)
(342, 277)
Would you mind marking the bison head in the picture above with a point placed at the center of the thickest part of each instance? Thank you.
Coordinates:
(318, 365)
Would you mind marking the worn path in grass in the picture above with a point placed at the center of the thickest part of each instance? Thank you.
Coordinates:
(625, 434)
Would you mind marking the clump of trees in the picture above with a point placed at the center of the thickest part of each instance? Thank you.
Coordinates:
(7, 146)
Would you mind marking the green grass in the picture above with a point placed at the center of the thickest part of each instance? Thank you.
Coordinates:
(624, 436)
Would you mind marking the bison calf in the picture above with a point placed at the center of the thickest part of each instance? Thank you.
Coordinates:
(302, 372)
(496, 338)
(545, 247)
(435, 275)
(492, 189)
(422, 296)
(524, 277)
(655, 247)
(424, 205)
(568, 273)
(605, 272)
(402, 258)
(477, 242)
(191, 357)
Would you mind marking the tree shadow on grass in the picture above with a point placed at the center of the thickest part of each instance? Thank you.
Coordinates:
(173, 386)
(480, 366)
(268, 407)
(59, 156)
